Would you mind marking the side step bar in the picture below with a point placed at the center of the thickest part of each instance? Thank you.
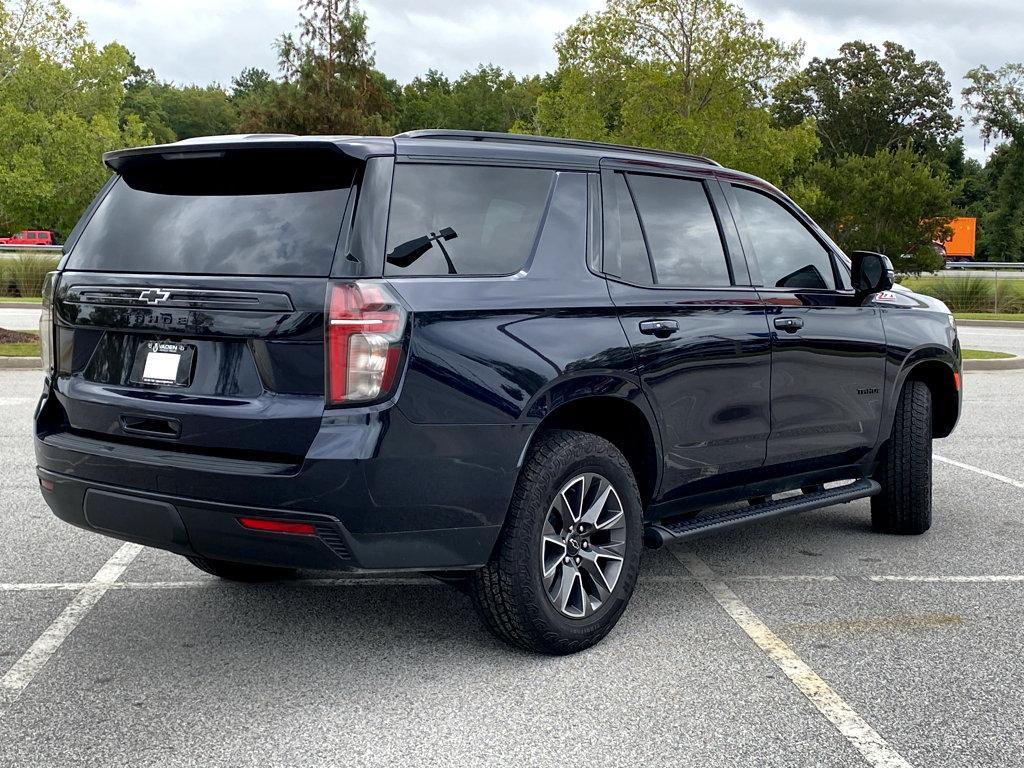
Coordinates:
(659, 534)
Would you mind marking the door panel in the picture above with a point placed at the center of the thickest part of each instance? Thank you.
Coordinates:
(708, 381)
(703, 352)
(828, 351)
(826, 379)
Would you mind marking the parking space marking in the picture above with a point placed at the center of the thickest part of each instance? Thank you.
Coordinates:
(384, 581)
(45, 646)
(858, 732)
(980, 471)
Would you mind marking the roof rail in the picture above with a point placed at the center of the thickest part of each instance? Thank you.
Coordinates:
(494, 136)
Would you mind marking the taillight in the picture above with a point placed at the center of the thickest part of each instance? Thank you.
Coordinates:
(46, 322)
(365, 328)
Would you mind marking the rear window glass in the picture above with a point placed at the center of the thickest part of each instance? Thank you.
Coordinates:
(241, 214)
(464, 220)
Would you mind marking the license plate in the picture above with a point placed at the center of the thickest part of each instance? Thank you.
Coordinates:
(163, 363)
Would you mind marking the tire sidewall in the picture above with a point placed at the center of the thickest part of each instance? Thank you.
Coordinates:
(592, 455)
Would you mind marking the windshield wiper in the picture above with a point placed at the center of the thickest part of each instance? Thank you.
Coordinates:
(404, 254)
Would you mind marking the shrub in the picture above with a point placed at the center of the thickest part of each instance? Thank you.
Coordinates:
(29, 271)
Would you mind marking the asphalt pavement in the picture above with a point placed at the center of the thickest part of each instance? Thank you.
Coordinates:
(809, 640)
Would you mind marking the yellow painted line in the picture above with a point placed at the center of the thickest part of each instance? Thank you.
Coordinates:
(858, 732)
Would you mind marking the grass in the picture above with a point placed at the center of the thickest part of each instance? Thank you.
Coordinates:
(26, 299)
(1017, 316)
(19, 344)
(984, 355)
(20, 350)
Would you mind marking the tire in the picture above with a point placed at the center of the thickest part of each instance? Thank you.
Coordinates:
(512, 592)
(240, 572)
(904, 505)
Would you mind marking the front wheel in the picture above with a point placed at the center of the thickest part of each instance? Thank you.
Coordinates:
(904, 506)
(567, 561)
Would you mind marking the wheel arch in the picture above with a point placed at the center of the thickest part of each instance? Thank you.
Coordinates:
(615, 409)
(939, 368)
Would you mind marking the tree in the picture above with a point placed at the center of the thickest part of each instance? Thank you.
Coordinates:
(60, 101)
(865, 100)
(329, 83)
(484, 99)
(687, 75)
(997, 100)
(891, 202)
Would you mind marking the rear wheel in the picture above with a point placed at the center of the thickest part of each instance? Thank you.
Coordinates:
(567, 561)
(904, 506)
(240, 572)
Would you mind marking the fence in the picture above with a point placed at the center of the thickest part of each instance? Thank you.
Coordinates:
(982, 287)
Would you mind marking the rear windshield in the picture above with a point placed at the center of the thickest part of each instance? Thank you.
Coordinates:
(242, 213)
(464, 220)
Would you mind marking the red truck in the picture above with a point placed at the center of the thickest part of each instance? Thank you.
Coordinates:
(31, 238)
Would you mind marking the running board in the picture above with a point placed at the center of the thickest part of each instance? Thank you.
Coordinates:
(659, 534)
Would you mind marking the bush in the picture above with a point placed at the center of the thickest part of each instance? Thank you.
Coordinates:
(29, 271)
(972, 293)
(7, 286)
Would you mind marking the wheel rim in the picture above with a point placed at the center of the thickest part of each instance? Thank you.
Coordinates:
(583, 545)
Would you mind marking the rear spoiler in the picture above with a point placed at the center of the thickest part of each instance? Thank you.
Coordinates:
(355, 147)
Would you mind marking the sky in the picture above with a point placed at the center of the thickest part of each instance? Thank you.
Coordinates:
(202, 41)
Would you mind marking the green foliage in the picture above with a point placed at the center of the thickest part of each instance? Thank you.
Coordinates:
(971, 293)
(60, 98)
(172, 112)
(691, 76)
(330, 85)
(865, 100)
(485, 99)
(891, 202)
(997, 102)
(27, 272)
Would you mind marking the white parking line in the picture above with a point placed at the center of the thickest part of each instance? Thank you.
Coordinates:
(857, 731)
(979, 471)
(383, 581)
(39, 653)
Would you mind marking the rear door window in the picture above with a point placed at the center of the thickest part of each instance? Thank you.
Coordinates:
(464, 219)
(625, 250)
(682, 233)
(241, 213)
(788, 254)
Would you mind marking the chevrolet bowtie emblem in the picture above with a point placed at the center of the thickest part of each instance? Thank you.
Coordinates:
(154, 296)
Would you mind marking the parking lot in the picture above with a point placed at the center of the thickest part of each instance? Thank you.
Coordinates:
(809, 640)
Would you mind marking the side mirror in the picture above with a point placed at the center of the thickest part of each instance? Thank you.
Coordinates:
(871, 272)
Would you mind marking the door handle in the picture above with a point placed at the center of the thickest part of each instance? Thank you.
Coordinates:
(659, 328)
(792, 325)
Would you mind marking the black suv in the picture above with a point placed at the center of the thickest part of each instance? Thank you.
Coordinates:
(508, 361)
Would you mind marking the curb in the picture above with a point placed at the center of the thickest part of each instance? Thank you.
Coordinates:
(994, 364)
(14, 362)
(39, 306)
(991, 323)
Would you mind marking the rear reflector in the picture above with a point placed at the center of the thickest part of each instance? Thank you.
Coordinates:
(279, 527)
(48, 485)
(956, 380)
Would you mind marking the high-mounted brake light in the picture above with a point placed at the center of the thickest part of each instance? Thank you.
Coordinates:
(365, 328)
(279, 527)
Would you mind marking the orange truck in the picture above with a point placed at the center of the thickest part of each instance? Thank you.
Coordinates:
(960, 246)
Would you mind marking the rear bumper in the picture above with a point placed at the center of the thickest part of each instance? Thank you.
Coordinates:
(384, 493)
(212, 529)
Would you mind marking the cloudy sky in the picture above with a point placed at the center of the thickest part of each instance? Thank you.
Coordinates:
(210, 40)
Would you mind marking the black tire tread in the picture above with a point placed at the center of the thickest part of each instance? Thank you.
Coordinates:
(904, 506)
(506, 600)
